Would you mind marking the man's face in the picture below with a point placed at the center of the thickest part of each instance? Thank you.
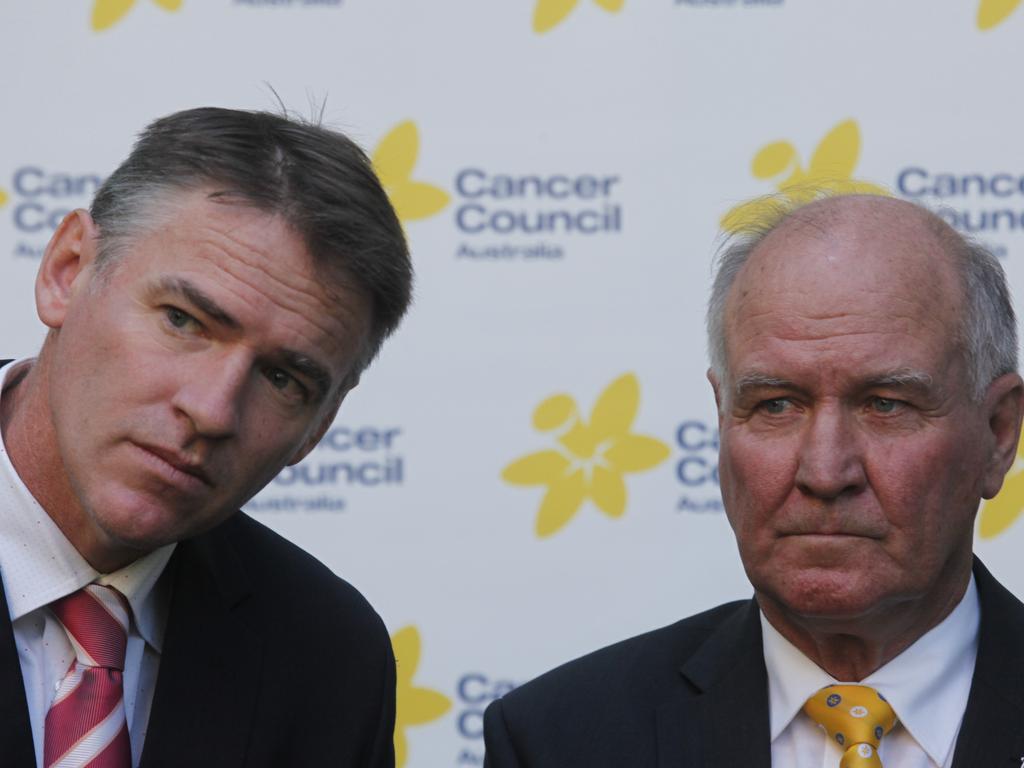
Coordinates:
(852, 458)
(209, 357)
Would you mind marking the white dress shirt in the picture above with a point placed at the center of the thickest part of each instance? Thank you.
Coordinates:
(927, 685)
(39, 565)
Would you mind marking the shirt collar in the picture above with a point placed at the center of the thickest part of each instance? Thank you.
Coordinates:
(792, 678)
(39, 564)
(928, 684)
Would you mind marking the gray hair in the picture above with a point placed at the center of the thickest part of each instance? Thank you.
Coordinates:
(988, 327)
(316, 179)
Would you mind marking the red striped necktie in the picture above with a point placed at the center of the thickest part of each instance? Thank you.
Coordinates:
(86, 726)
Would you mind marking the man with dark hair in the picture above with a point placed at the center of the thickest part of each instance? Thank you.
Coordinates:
(864, 364)
(206, 318)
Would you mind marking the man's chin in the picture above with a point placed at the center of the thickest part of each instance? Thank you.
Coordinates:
(138, 528)
(825, 596)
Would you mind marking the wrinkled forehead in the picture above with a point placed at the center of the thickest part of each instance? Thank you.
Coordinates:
(881, 258)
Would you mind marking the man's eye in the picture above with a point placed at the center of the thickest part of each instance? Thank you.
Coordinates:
(884, 404)
(775, 406)
(180, 319)
(278, 378)
(285, 383)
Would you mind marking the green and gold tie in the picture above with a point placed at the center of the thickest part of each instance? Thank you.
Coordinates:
(856, 717)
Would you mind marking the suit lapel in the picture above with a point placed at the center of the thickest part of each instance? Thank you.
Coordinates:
(16, 746)
(207, 687)
(722, 717)
(992, 732)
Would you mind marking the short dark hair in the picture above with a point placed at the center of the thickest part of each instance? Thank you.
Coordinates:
(316, 179)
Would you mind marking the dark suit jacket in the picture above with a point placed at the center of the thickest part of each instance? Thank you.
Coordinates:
(269, 660)
(695, 694)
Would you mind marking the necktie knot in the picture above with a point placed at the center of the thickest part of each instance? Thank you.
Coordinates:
(856, 717)
(96, 619)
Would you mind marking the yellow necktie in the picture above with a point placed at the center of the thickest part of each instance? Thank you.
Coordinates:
(856, 717)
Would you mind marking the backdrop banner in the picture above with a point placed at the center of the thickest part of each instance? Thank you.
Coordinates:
(529, 472)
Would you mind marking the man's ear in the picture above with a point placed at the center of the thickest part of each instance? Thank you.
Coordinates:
(1004, 407)
(325, 423)
(66, 265)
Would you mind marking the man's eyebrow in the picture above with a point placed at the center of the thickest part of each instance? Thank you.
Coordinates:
(200, 300)
(902, 378)
(751, 381)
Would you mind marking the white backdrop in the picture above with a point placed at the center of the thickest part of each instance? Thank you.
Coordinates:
(562, 169)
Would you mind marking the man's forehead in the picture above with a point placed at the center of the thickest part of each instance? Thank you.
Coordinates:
(228, 256)
(837, 251)
(857, 291)
(209, 215)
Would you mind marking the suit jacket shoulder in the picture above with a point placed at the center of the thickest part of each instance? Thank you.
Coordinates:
(269, 659)
(646, 701)
(622, 707)
(647, 660)
(991, 732)
(294, 585)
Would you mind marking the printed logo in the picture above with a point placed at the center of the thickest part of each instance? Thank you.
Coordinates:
(394, 160)
(347, 459)
(985, 204)
(697, 470)
(589, 459)
(107, 13)
(475, 690)
(830, 168)
(858, 712)
(992, 13)
(413, 705)
(548, 14)
(40, 199)
(518, 208)
(1000, 513)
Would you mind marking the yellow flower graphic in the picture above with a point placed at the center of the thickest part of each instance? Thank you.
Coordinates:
(589, 459)
(414, 705)
(106, 13)
(394, 160)
(831, 168)
(548, 14)
(3, 197)
(1000, 513)
(992, 13)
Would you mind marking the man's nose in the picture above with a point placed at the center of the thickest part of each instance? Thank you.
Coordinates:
(211, 394)
(830, 460)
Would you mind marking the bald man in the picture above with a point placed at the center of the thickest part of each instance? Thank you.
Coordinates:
(864, 365)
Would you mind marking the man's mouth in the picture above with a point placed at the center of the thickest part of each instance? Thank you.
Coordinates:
(177, 463)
